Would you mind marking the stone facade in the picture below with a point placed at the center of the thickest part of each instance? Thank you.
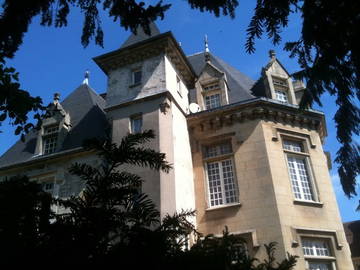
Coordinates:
(243, 155)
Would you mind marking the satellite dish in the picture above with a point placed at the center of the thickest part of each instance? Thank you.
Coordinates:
(194, 108)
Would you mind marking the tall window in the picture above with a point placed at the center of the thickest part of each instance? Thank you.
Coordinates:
(212, 101)
(136, 76)
(50, 137)
(281, 89)
(299, 172)
(136, 124)
(221, 180)
(317, 253)
(178, 85)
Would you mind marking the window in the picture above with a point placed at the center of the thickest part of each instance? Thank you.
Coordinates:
(212, 86)
(299, 172)
(317, 253)
(281, 96)
(136, 124)
(48, 187)
(221, 182)
(136, 76)
(281, 89)
(178, 85)
(212, 101)
(50, 139)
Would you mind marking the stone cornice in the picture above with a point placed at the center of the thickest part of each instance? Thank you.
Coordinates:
(160, 44)
(257, 108)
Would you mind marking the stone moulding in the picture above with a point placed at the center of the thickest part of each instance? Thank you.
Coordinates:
(257, 109)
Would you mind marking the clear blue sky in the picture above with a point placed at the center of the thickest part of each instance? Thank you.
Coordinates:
(53, 60)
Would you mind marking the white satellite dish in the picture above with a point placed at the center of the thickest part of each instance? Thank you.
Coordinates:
(194, 108)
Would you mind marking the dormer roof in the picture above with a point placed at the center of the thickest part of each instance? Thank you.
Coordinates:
(88, 120)
(239, 84)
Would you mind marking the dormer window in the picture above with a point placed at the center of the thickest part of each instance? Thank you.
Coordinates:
(212, 101)
(50, 137)
(212, 86)
(281, 88)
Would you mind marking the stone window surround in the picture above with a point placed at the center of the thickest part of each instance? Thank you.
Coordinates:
(229, 156)
(308, 143)
(332, 236)
(290, 89)
(307, 158)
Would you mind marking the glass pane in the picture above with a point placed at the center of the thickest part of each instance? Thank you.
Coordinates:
(300, 179)
(218, 149)
(49, 144)
(212, 101)
(136, 125)
(316, 247)
(136, 76)
(215, 190)
(320, 266)
(229, 183)
(281, 96)
(293, 146)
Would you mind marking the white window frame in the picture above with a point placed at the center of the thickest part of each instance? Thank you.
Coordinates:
(319, 247)
(49, 139)
(223, 154)
(211, 102)
(178, 85)
(133, 125)
(281, 96)
(300, 154)
(134, 79)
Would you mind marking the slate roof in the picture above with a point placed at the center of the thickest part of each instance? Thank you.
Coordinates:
(141, 36)
(238, 83)
(88, 120)
(352, 232)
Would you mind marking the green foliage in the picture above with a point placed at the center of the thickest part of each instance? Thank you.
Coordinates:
(329, 57)
(24, 217)
(112, 222)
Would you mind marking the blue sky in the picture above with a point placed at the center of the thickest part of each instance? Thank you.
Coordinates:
(53, 60)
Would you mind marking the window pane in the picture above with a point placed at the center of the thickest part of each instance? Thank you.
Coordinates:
(218, 149)
(215, 191)
(281, 96)
(320, 266)
(136, 125)
(51, 129)
(299, 178)
(49, 144)
(316, 247)
(212, 101)
(210, 87)
(136, 76)
(229, 183)
(293, 146)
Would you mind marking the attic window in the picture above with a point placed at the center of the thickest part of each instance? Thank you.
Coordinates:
(211, 86)
(281, 88)
(50, 137)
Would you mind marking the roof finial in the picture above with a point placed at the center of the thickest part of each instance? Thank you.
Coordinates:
(207, 51)
(272, 54)
(86, 79)
(56, 97)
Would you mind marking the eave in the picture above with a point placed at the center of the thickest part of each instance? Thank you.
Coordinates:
(257, 108)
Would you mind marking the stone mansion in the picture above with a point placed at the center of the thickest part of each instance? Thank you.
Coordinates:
(244, 156)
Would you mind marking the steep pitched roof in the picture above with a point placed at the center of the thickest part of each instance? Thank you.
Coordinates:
(141, 36)
(239, 84)
(88, 120)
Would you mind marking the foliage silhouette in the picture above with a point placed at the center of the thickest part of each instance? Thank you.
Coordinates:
(112, 222)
